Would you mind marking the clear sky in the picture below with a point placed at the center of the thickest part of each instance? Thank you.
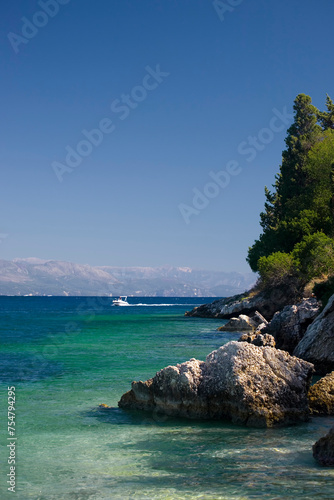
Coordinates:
(143, 132)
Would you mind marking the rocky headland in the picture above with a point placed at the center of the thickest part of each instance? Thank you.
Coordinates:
(262, 380)
(299, 328)
(267, 303)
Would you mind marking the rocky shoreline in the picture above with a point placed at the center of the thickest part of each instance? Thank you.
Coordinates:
(267, 303)
(262, 380)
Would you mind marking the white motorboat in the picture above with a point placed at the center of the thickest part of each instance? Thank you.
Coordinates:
(121, 301)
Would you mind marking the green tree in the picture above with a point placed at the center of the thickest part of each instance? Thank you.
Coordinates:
(326, 118)
(289, 214)
(302, 135)
(319, 194)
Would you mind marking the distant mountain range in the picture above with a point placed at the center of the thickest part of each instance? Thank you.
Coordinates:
(51, 277)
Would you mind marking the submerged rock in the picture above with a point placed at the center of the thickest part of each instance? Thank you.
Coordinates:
(239, 324)
(289, 325)
(254, 386)
(317, 345)
(258, 338)
(321, 396)
(323, 449)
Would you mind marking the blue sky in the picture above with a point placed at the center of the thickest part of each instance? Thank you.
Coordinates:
(202, 90)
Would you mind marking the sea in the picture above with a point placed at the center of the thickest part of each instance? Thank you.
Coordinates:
(62, 357)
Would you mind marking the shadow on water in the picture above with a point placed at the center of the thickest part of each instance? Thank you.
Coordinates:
(16, 368)
(114, 415)
(220, 458)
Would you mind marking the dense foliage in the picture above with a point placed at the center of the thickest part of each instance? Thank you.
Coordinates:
(298, 219)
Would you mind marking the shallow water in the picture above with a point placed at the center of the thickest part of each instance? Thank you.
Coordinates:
(65, 356)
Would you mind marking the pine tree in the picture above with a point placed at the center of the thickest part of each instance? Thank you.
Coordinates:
(287, 216)
(302, 135)
(327, 118)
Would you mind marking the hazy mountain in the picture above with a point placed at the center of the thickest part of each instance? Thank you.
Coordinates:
(51, 277)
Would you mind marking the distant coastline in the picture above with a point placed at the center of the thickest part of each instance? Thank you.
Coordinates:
(36, 277)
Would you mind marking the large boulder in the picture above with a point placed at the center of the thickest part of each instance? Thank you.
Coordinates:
(317, 345)
(239, 324)
(321, 396)
(289, 325)
(323, 449)
(254, 386)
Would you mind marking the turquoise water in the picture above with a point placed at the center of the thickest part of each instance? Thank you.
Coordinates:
(65, 356)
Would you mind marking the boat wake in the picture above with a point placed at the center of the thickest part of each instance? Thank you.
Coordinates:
(161, 305)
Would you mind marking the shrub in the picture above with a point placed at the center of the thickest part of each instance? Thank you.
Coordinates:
(314, 256)
(276, 269)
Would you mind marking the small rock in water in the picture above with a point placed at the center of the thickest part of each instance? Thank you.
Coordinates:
(242, 322)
